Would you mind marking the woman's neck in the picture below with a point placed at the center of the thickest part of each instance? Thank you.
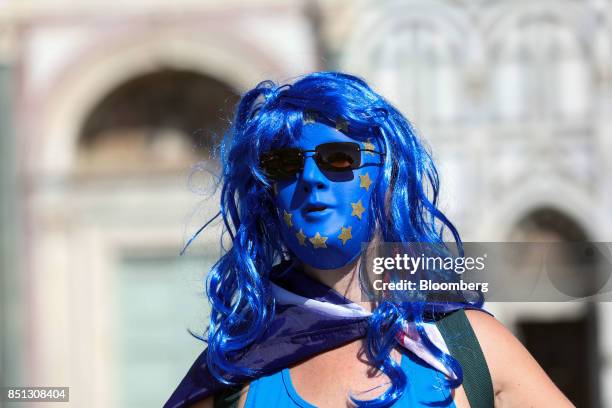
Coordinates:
(344, 280)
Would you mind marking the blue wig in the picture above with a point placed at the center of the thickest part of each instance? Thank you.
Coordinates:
(403, 209)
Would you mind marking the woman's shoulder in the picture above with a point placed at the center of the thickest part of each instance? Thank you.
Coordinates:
(518, 380)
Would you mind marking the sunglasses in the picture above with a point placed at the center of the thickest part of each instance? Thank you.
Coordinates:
(335, 156)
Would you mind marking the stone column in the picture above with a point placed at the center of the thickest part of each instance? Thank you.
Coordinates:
(11, 317)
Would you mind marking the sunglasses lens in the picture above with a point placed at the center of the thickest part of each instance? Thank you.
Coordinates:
(339, 156)
(285, 163)
(282, 163)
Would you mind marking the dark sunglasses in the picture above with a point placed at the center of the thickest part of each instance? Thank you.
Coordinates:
(335, 156)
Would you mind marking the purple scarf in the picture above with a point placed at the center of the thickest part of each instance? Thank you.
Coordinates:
(301, 328)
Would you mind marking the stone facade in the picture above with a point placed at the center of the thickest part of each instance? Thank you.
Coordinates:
(514, 98)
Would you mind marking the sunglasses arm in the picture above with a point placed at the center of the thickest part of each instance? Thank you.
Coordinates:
(372, 151)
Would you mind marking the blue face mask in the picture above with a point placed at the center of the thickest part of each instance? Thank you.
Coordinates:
(324, 214)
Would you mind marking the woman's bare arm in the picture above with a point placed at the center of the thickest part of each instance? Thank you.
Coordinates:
(518, 380)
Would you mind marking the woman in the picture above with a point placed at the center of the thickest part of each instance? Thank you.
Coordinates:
(311, 171)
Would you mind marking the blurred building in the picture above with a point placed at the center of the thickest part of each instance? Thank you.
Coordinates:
(105, 106)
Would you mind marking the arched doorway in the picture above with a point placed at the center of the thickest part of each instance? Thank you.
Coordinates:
(133, 158)
(156, 122)
(567, 348)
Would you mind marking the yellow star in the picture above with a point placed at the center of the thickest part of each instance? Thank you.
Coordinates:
(346, 234)
(365, 181)
(342, 125)
(368, 145)
(357, 209)
(301, 237)
(287, 217)
(318, 241)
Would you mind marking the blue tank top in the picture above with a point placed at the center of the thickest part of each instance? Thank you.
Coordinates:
(425, 389)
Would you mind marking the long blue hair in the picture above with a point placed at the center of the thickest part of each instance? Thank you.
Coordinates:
(403, 207)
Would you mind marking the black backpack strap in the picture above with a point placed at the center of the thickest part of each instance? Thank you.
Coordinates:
(228, 398)
(463, 345)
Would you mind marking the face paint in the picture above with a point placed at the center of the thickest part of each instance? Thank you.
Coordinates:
(323, 213)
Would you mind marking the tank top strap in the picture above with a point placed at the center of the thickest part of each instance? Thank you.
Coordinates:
(292, 392)
(275, 390)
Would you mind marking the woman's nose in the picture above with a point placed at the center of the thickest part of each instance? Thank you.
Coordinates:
(312, 177)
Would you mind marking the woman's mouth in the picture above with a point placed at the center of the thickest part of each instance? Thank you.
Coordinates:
(316, 211)
(315, 208)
